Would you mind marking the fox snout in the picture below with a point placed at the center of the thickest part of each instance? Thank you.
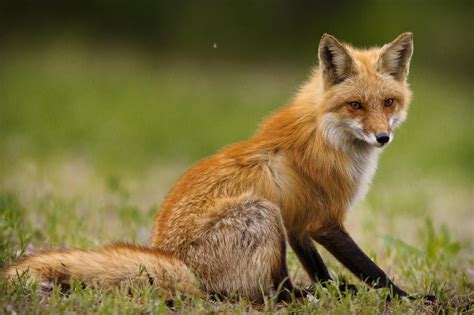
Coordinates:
(373, 136)
(378, 129)
(378, 139)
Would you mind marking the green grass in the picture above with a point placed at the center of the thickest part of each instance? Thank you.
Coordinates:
(92, 139)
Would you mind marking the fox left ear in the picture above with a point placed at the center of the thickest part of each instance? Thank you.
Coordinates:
(395, 57)
(334, 60)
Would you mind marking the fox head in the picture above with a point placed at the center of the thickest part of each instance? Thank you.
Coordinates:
(365, 95)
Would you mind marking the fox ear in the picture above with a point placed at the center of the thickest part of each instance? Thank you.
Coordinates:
(334, 60)
(395, 57)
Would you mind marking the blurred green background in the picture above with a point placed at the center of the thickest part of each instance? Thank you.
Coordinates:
(103, 104)
(126, 86)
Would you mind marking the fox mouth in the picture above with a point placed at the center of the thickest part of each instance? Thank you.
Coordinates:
(372, 139)
(368, 138)
(380, 145)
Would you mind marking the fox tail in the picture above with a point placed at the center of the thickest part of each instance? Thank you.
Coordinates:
(114, 265)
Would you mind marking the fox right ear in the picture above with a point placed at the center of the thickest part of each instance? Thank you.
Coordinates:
(395, 57)
(334, 60)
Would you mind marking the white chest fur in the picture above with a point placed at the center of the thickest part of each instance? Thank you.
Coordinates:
(362, 167)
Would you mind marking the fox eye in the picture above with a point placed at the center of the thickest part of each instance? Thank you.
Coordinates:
(388, 102)
(355, 105)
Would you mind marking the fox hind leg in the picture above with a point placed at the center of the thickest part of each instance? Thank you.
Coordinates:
(240, 249)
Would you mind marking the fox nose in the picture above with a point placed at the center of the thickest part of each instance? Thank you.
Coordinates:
(382, 138)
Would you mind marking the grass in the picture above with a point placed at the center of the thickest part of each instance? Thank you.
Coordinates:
(92, 140)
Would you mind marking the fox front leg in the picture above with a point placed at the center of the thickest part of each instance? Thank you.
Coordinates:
(310, 259)
(313, 263)
(340, 244)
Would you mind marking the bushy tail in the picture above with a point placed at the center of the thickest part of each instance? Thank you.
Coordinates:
(114, 265)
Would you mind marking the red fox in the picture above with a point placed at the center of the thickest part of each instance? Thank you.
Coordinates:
(224, 227)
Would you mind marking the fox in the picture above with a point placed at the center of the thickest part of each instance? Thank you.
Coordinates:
(225, 226)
